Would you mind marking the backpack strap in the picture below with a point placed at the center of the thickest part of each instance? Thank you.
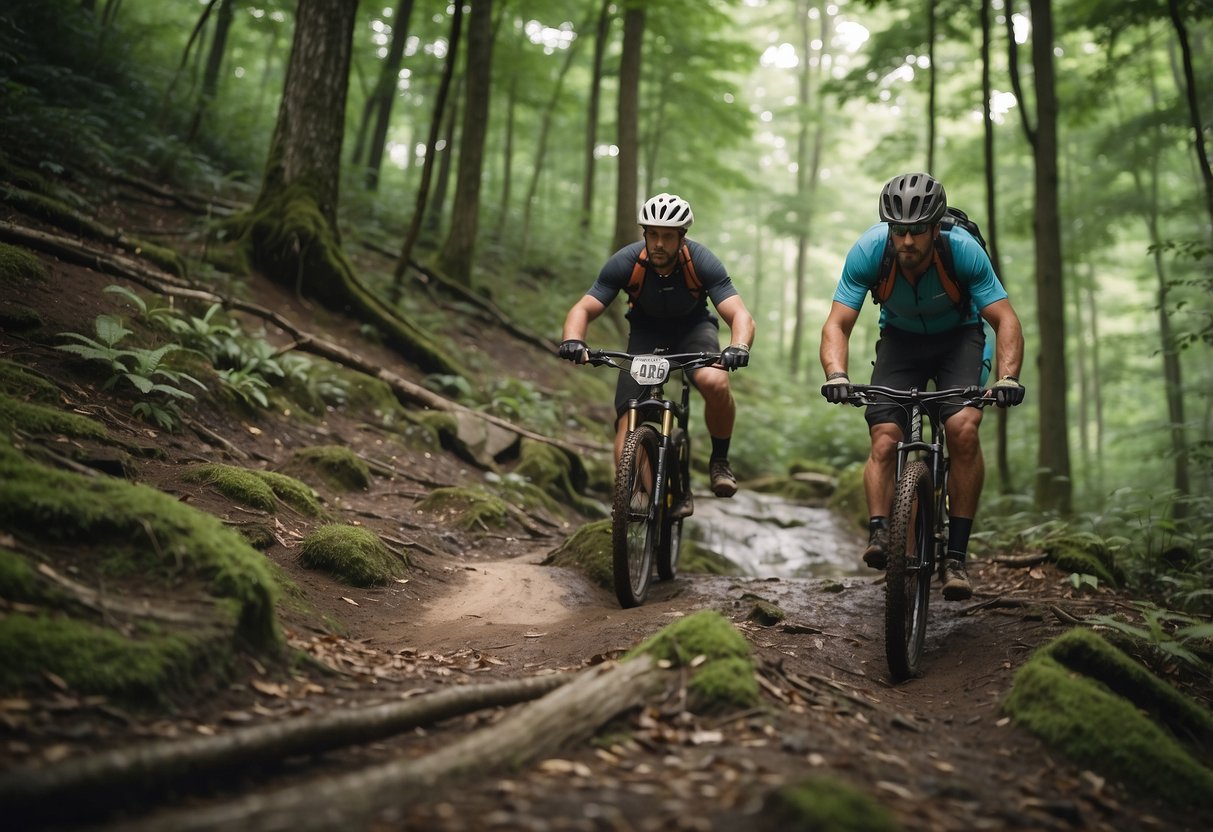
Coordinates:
(640, 269)
(886, 273)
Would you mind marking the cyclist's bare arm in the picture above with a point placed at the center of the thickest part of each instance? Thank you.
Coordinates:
(1008, 336)
(733, 312)
(578, 319)
(836, 337)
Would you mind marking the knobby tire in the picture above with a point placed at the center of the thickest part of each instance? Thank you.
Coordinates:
(634, 534)
(678, 483)
(907, 581)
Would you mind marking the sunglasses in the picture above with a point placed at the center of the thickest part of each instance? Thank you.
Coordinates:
(902, 230)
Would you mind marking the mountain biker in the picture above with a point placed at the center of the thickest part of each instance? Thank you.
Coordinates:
(668, 314)
(923, 335)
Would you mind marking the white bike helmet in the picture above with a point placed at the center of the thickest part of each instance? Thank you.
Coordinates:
(667, 211)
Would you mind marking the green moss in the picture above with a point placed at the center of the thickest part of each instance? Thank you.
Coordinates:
(95, 659)
(826, 804)
(1086, 554)
(848, 498)
(725, 678)
(588, 550)
(25, 384)
(133, 528)
(237, 484)
(468, 508)
(336, 466)
(351, 554)
(298, 495)
(18, 582)
(17, 317)
(764, 612)
(39, 420)
(1105, 711)
(696, 559)
(557, 473)
(167, 259)
(20, 264)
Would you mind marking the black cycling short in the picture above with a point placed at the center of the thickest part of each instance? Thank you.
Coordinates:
(701, 336)
(909, 359)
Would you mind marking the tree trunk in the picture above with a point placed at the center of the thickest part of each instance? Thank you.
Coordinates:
(1053, 484)
(459, 252)
(385, 91)
(427, 167)
(1198, 126)
(932, 81)
(507, 156)
(541, 728)
(802, 194)
(626, 201)
(291, 232)
(591, 121)
(545, 130)
(214, 61)
(1002, 464)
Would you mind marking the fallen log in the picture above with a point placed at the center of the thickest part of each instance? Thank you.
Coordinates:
(571, 713)
(130, 777)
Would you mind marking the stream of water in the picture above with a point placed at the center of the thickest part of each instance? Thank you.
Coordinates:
(769, 537)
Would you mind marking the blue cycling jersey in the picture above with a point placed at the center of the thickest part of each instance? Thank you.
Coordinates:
(925, 307)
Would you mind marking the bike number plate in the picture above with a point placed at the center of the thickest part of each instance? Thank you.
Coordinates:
(650, 369)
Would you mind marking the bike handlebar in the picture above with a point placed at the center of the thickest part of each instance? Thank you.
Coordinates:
(678, 361)
(861, 395)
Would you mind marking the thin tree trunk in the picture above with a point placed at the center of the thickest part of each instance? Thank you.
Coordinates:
(1054, 488)
(214, 61)
(1198, 125)
(459, 252)
(932, 81)
(626, 201)
(427, 167)
(591, 121)
(445, 159)
(385, 91)
(802, 195)
(507, 156)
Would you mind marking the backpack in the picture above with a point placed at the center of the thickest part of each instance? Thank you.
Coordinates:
(958, 292)
(636, 281)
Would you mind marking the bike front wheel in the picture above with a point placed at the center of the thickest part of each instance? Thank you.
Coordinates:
(908, 573)
(678, 485)
(634, 529)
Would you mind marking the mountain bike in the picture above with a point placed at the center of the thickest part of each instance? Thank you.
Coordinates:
(654, 470)
(918, 521)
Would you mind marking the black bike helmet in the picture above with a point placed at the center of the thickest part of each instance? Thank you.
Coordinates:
(913, 198)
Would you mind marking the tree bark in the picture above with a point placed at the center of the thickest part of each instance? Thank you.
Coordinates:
(79, 787)
(629, 114)
(459, 252)
(1053, 482)
(214, 61)
(385, 91)
(1198, 127)
(568, 714)
(591, 121)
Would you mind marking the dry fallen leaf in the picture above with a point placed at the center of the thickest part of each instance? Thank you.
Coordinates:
(269, 688)
(349, 601)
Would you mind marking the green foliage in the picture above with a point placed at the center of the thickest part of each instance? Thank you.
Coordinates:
(1173, 636)
(146, 370)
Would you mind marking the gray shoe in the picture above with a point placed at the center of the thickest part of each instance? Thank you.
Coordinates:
(724, 483)
(876, 555)
(685, 508)
(956, 586)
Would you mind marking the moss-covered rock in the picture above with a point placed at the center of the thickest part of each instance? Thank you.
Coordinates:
(723, 669)
(826, 804)
(763, 611)
(333, 465)
(1102, 709)
(39, 420)
(468, 508)
(557, 473)
(257, 489)
(20, 264)
(1084, 553)
(587, 550)
(124, 530)
(351, 554)
(26, 385)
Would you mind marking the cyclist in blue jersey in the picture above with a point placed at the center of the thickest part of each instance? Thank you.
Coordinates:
(669, 312)
(924, 334)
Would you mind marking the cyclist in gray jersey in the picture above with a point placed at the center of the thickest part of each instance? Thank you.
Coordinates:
(669, 313)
